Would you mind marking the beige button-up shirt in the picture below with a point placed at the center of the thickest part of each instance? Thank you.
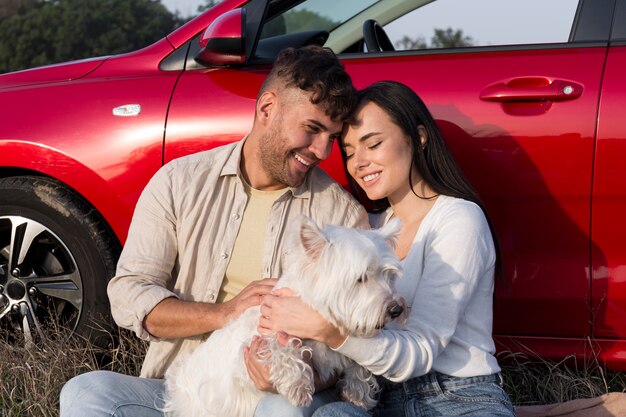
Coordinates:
(184, 229)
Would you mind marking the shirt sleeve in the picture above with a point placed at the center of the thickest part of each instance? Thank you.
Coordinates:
(353, 215)
(358, 219)
(144, 271)
(458, 252)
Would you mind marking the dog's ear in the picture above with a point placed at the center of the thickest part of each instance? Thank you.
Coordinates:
(390, 231)
(312, 238)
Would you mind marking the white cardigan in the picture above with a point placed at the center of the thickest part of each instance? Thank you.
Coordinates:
(448, 282)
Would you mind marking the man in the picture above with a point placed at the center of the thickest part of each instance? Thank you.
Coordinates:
(209, 226)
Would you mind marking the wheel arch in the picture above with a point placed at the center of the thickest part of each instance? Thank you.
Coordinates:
(29, 159)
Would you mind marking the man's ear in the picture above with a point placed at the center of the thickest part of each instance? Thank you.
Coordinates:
(265, 106)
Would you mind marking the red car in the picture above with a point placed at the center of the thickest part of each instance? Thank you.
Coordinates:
(532, 110)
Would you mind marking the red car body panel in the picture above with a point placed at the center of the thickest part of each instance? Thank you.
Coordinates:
(539, 203)
(549, 165)
(609, 205)
(107, 159)
(51, 73)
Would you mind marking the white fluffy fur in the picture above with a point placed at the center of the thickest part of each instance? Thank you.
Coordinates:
(345, 274)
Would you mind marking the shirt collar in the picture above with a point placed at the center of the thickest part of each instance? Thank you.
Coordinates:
(233, 167)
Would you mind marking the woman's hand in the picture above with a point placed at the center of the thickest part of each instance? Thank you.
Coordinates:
(259, 372)
(283, 312)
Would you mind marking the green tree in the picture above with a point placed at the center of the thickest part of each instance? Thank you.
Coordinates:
(297, 21)
(61, 30)
(407, 43)
(442, 38)
(12, 7)
(208, 4)
(450, 38)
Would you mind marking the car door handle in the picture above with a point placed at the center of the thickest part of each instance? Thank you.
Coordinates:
(532, 89)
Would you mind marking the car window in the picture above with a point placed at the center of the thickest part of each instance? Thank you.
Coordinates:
(461, 23)
(314, 15)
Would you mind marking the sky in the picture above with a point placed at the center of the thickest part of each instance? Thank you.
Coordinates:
(519, 21)
(184, 7)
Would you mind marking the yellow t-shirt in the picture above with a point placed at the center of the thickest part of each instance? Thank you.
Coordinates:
(246, 260)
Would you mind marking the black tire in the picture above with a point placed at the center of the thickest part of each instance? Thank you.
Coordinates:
(57, 255)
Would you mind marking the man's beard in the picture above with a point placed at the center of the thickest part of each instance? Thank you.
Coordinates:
(274, 160)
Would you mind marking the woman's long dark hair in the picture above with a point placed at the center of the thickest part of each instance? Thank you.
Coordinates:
(433, 161)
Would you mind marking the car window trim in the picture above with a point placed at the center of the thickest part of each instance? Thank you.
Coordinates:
(618, 31)
(593, 21)
(475, 49)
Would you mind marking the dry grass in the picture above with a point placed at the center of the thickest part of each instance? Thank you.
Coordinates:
(31, 379)
(532, 380)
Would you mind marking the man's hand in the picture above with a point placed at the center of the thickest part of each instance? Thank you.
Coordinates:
(173, 318)
(259, 372)
(252, 295)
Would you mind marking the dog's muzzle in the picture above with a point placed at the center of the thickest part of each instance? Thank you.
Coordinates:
(395, 310)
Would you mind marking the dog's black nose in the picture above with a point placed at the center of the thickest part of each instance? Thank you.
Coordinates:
(395, 310)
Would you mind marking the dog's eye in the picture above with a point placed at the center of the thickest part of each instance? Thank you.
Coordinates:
(362, 279)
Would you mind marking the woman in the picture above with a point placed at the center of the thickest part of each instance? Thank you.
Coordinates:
(442, 362)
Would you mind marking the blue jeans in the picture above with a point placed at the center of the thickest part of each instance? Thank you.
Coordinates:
(433, 394)
(109, 394)
(277, 406)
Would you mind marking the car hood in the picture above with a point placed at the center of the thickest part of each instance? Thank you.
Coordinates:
(51, 73)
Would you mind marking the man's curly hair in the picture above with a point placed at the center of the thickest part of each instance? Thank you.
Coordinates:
(316, 70)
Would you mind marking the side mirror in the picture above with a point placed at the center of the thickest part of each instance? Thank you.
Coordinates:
(223, 42)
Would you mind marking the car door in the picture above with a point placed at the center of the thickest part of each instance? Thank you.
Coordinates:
(520, 118)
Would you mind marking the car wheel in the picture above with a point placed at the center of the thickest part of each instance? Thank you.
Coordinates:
(56, 257)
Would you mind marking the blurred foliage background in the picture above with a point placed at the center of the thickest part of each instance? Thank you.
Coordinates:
(42, 32)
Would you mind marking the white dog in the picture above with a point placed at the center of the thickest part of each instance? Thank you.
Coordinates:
(347, 275)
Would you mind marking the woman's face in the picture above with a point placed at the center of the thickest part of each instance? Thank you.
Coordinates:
(379, 154)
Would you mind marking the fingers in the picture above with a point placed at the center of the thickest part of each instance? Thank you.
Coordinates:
(267, 282)
(283, 338)
(253, 294)
(266, 323)
(283, 292)
(277, 311)
(266, 307)
(258, 372)
(264, 327)
(261, 287)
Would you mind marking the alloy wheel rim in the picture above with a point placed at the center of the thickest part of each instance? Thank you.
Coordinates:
(40, 283)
